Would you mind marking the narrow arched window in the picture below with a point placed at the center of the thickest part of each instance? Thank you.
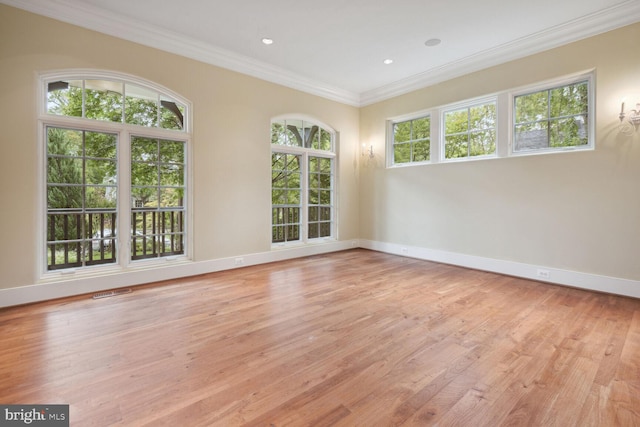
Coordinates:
(116, 170)
(303, 164)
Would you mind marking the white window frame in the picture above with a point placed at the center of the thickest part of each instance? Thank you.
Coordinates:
(589, 78)
(476, 102)
(505, 114)
(124, 133)
(391, 138)
(305, 153)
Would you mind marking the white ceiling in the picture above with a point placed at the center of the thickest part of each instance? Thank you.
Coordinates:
(336, 48)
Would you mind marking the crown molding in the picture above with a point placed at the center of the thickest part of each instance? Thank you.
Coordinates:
(92, 18)
(597, 23)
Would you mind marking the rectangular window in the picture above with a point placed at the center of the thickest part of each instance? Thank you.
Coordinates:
(286, 197)
(157, 189)
(552, 119)
(82, 197)
(470, 131)
(411, 141)
(320, 197)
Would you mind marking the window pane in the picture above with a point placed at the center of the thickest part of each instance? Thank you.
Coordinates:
(532, 107)
(531, 136)
(144, 150)
(64, 142)
(171, 114)
(402, 132)
(172, 151)
(312, 136)
(325, 140)
(314, 164)
(100, 172)
(421, 128)
(325, 165)
(325, 181)
(456, 121)
(64, 226)
(103, 100)
(421, 151)
(293, 133)
(172, 175)
(402, 153)
(144, 174)
(325, 214)
(569, 100)
(64, 98)
(313, 197)
(171, 197)
(293, 179)
(64, 170)
(313, 230)
(64, 197)
(325, 197)
(141, 106)
(313, 213)
(483, 143)
(314, 180)
(278, 134)
(482, 117)
(325, 229)
(100, 145)
(456, 146)
(569, 132)
(101, 197)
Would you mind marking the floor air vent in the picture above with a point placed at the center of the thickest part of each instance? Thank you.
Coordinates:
(112, 293)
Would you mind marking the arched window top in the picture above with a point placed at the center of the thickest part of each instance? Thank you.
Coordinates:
(302, 133)
(115, 98)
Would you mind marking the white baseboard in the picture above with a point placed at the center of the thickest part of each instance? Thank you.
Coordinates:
(69, 286)
(78, 284)
(593, 282)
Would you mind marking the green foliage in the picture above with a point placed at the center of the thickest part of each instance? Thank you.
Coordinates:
(286, 186)
(470, 131)
(411, 140)
(82, 168)
(552, 118)
(299, 133)
(104, 100)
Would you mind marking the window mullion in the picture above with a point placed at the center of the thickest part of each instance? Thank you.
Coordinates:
(124, 199)
(304, 208)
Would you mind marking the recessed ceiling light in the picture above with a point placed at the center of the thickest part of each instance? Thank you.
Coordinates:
(267, 41)
(388, 61)
(432, 42)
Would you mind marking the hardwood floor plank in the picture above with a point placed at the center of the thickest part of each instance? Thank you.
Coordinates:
(350, 338)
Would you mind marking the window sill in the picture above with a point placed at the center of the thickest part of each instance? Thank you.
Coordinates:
(111, 270)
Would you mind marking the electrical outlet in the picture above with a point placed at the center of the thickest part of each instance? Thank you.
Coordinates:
(543, 274)
(239, 261)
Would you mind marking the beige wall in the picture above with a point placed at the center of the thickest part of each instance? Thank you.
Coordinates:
(574, 211)
(231, 137)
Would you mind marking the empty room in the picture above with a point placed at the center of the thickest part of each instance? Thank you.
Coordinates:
(320, 213)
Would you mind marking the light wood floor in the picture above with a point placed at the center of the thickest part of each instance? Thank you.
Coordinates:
(355, 338)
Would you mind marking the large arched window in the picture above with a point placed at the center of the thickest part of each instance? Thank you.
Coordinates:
(303, 164)
(115, 170)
